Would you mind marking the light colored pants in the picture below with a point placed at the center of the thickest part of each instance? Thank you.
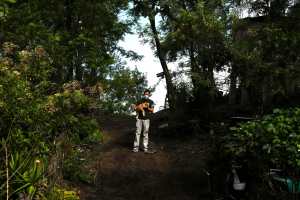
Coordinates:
(141, 125)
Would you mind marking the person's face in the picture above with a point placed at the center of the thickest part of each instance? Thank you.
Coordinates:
(147, 94)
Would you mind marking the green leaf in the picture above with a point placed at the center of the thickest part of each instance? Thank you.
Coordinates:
(8, 1)
(21, 188)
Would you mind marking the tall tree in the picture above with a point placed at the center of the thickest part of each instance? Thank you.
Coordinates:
(196, 30)
(150, 10)
(80, 36)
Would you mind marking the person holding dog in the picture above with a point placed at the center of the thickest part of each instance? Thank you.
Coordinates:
(144, 108)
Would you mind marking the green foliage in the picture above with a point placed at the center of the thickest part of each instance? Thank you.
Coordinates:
(57, 42)
(81, 38)
(200, 27)
(60, 193)
(272, 141)
(123, 89)
(72, 166)
(31, 120)
(42, 108)
(28, 175)
(266, 52)
(262, 7)
(4, 7)
(65, 115)
(205, 45)
(19, 122)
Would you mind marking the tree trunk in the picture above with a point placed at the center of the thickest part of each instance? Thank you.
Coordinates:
(1, 37)
(195, 70)
(78, 72)
(68, 26)
(78, 66)
(244, 96)
(211, 78)
(58, 76)
(93, 76)
(232, 87)
(70, 73)
(266, 94)
(162, 59)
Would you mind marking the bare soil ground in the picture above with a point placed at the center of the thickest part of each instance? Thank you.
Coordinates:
(176, 171)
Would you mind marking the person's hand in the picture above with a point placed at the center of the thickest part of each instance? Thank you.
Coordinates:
(151, 110)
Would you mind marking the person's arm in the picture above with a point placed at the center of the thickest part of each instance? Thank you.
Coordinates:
(151, 107)
(151, 110)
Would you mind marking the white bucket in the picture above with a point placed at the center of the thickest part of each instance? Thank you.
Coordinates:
(239, 186)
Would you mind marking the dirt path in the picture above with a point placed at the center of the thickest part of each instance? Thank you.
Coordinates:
(176, 171)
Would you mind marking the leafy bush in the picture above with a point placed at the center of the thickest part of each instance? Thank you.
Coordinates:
(73, 166)
(29, 179)
(273, 141)
(36, 118)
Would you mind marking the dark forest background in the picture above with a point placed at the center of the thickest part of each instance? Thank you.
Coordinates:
(61, 67)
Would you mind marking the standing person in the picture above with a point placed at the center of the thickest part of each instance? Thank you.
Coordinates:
(144, 108)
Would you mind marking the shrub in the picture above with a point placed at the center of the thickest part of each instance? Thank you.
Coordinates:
(33, 121)
(273, 141)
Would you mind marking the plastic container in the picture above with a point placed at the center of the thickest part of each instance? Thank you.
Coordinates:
(239, 186)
